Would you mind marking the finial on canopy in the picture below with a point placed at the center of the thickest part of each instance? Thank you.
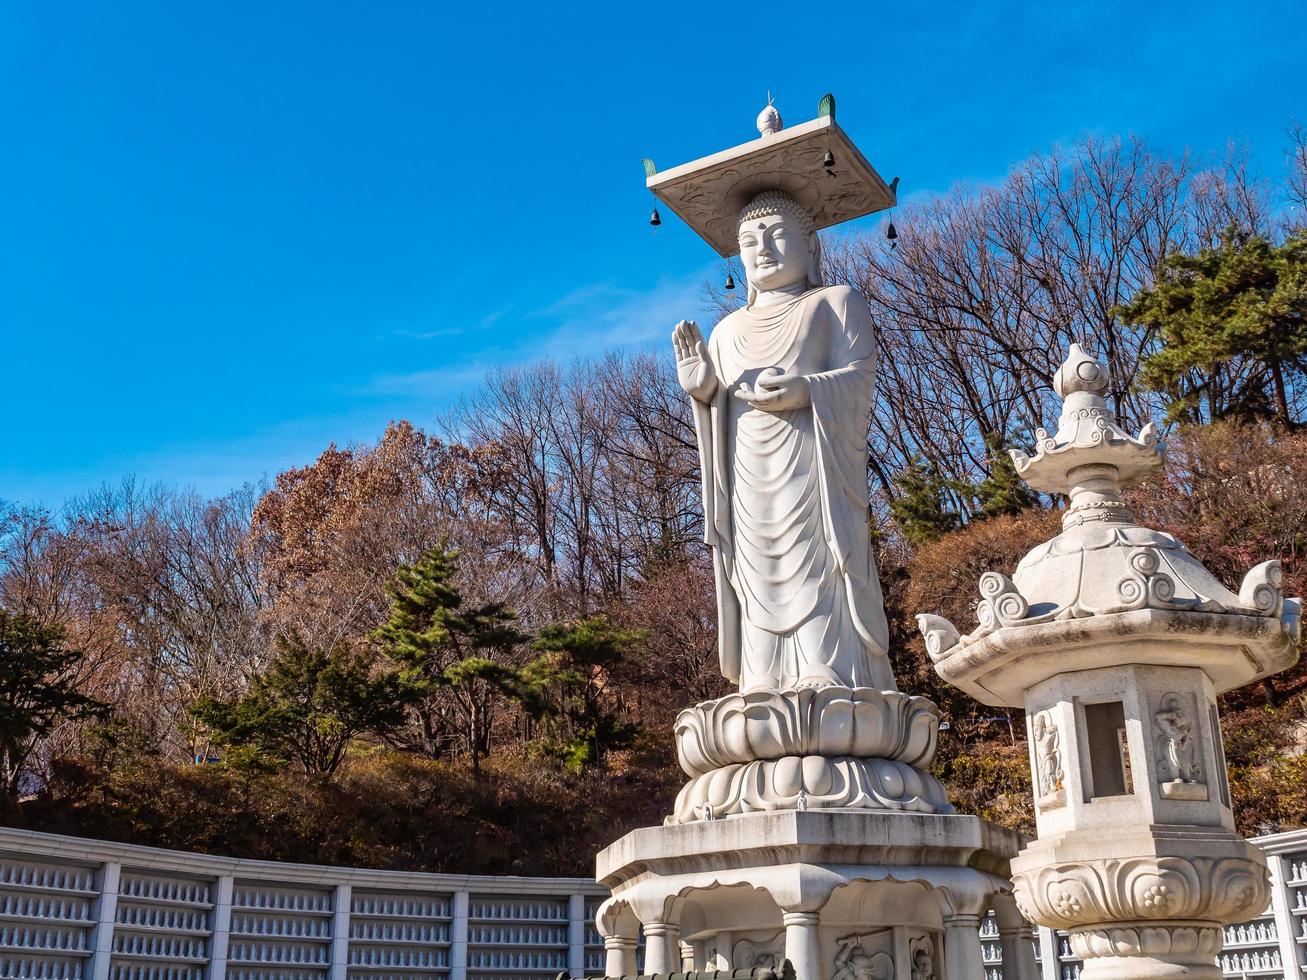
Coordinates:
(769, 120)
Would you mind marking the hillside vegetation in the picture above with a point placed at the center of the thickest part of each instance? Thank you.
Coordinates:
(466, 653)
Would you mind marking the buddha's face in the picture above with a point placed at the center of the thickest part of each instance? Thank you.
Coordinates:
(774, 252)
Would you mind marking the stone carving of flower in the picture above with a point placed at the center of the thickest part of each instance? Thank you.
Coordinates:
(1066, 905)
(1157, 898)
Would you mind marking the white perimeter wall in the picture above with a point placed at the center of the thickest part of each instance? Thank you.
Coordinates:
(77, 909)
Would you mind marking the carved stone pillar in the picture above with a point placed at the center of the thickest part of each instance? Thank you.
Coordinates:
(689, 962)
(964, 959)
(619, 956)
(803, 944)
(661, 947)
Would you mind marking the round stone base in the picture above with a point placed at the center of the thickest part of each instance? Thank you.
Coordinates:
(809, 782)
(1148, 951)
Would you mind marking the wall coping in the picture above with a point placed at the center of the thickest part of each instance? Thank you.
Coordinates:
(31, 844)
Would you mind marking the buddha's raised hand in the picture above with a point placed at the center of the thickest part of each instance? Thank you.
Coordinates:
(693, 368)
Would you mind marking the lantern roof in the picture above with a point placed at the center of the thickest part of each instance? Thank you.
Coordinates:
(1106, 590)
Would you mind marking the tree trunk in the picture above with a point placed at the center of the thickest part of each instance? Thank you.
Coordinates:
(1272, 695)
(473, 735)
(1281, 396)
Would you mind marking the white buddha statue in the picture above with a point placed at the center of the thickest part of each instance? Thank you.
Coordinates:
(781, 394)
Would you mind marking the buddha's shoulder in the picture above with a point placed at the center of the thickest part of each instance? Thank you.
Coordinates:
(727, 324)
(843, 304)
(840, 296)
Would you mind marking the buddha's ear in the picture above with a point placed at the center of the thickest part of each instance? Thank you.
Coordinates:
(814, 259)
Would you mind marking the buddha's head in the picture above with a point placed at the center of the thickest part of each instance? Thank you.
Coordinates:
(778, 244)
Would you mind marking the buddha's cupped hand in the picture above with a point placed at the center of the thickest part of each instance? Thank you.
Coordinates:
(776, 391)
(693, 369)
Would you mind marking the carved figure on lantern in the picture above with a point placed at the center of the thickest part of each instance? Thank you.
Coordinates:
(781, 395)
(1050, 754)
(923, 959)
(1176, 749)
(856, 962)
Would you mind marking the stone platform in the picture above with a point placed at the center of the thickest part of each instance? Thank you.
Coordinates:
(843, 894)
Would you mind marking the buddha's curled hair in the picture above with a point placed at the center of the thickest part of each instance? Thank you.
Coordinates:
(768, 203)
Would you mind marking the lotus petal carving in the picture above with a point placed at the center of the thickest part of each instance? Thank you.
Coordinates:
(1201, 944)
(825, 721)
(810, 782)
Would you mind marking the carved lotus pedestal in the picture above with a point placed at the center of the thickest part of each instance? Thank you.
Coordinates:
(842, 894)
(811, 831)
(814, 748)
(1143, 906)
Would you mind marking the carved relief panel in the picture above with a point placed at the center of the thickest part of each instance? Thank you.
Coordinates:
(921, 957)
(865, 956)
(1047, 742)
(1178, 746)
(757, 954)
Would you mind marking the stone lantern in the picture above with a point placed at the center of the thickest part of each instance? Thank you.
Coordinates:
(1116, 641)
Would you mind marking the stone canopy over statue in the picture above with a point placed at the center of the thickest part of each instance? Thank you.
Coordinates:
(781, 394)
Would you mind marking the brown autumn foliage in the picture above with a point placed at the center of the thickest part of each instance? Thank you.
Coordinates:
(328, 536)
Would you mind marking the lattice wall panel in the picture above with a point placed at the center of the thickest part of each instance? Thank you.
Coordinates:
(47, 912)
(279, 933)
(509, 939)
(398, 935)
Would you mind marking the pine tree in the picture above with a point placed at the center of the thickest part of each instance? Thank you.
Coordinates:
(1233, 324)
(1003, 491)
(572, 675)
(37, 690)
(453, 660)
(920, 509)
(307, 707)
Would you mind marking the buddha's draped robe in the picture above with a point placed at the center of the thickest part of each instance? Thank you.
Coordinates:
(785, 498)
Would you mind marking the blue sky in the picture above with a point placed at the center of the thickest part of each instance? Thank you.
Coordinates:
(233, 233)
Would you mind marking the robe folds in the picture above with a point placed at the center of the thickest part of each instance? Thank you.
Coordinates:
(785, 498)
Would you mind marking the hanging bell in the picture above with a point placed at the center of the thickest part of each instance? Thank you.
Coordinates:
(892, 234)
(654, 219)
(829, 161)
(730, 281)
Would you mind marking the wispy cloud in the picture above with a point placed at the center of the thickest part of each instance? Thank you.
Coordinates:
(435, 380)
(592, 319)
(586, 321)
(435, 334)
